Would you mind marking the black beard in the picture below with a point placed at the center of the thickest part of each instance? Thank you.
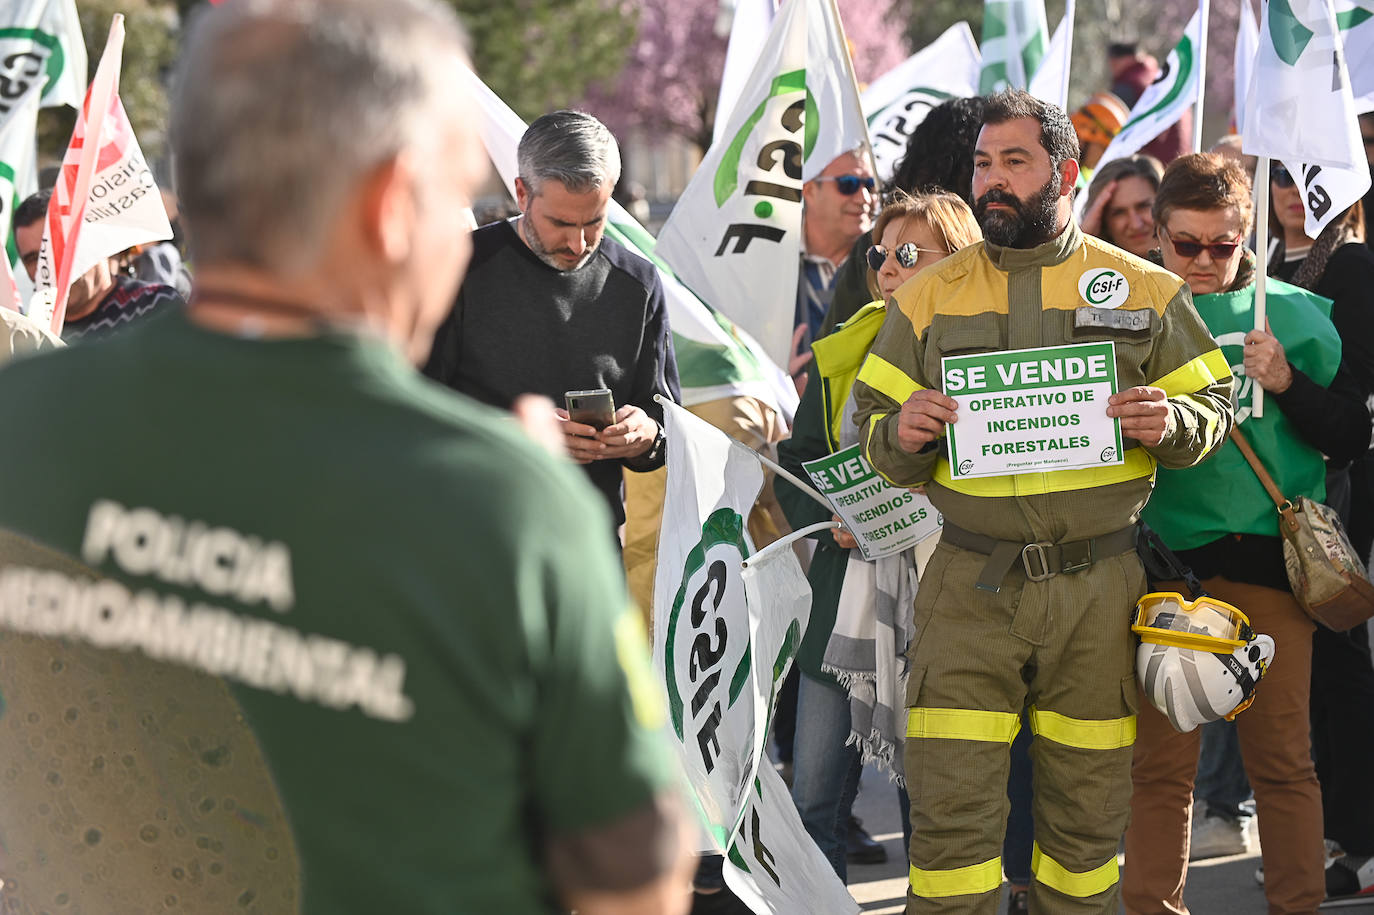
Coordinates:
(1031, 222)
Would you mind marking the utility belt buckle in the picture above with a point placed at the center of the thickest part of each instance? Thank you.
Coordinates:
(1032, 555)
(1076, 556)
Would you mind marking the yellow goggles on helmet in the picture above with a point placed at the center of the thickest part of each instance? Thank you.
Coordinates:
(1204, 624)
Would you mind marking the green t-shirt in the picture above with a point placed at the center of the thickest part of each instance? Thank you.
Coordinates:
(414, 609)
(1197, 505)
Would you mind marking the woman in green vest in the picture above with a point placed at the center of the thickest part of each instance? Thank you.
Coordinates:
(1219, 520)
(913, 233)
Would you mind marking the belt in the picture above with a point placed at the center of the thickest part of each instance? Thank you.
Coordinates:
(1040, 560)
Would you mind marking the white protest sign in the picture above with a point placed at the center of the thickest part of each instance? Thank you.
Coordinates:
(1032, 410)
(883, 518)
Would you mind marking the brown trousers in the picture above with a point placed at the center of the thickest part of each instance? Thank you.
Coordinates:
(1275, 743)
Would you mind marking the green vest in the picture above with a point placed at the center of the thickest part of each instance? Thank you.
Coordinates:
(838, 358)
(1222, 495)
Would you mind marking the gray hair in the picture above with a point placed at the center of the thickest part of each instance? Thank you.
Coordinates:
(570, 147)
(282, 106)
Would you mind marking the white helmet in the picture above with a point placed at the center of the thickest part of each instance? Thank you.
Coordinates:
(1198, 660)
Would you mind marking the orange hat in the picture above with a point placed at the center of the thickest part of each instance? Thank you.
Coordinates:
(1100, 119)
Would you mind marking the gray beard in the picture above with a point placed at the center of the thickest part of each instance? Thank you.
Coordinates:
(534, 244)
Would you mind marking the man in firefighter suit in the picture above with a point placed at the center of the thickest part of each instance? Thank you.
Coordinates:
(1026, 604)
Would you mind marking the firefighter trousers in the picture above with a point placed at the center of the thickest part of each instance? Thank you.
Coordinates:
(1061, 648)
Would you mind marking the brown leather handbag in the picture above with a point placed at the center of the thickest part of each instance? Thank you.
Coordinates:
(1326, 576)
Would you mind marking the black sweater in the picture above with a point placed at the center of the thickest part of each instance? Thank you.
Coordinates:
(520, 326)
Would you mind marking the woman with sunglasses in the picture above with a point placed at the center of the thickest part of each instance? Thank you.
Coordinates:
(913, 233)
(1337, 265)
(1218, 519)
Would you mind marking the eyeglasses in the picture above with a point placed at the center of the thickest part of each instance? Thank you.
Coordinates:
(1220, 251)
(849, 185)
(1281, 177)
(907, 255)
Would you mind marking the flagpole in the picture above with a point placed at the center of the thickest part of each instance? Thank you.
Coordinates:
(854, 81)
(1203, 11)
(1068, 53)
(1261, 265)
(789, 477)
(777, 546)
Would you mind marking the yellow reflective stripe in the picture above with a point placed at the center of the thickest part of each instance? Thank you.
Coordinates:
(960, 881)
(1083, 733)
(1194, 375)
(1138, 464)
(888, 380)
(962, 724)
(1057, 877)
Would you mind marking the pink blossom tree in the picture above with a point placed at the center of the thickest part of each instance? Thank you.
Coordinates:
(671, 78)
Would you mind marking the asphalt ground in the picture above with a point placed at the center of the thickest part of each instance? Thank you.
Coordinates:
(1219, 886)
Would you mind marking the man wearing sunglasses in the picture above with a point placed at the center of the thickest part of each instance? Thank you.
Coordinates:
(1000, 627)
(838, 206)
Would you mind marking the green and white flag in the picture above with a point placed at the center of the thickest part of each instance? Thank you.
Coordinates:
(724, 637)
(715, 358)
(735, 235)
(900, 99)
(1016, 36)
(1165, 100)
(42, 65)
(1355, 19)
(1050, 82)
(41, 47)
(748, 29)
(1301, 108)
(1247, 47)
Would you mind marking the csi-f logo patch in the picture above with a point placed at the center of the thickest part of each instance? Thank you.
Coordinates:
(1104, 288)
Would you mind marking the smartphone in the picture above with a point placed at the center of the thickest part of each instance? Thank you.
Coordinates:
(595, 408)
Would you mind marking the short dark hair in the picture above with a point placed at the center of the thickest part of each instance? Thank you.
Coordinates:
(1204, 181)
(1056, 130)
(33, 209)
(939, 152)
(1122, 49)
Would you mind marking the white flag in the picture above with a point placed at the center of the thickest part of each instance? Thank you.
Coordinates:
(1051, 80)
(714, 358)
(1164, 101)
(18, 179)
(41, 45)
(1247, 46)
(735, 235)
(748, 29)
(724, 637)
(105, 201)
(1016, 35)
(1355, 19)
(1301, 110)
(900, 99)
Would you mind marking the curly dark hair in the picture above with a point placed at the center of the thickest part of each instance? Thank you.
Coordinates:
(939, 152)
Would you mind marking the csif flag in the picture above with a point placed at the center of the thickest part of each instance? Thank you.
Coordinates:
(724, 638)
(105, 201)
(1355, 19)
(714, 358)
(1174, 91)
(748, 29)
(1301, 109)
(1016, 36)
(735, 235)
(1051, 80)
(900, 99)
(17, 181)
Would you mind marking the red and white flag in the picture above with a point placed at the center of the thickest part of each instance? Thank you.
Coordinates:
(105, 201)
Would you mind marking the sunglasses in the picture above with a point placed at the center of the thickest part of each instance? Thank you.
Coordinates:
(849, 185)
(907, 255)
(1281, 177)
(1220, 251)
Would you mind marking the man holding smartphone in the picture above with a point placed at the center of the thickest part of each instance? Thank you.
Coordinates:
(551, 307)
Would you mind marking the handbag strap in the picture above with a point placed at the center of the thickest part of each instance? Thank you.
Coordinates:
(1285, 506)
(1265, 479)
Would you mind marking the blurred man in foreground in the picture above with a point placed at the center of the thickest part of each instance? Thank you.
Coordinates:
(346, 625)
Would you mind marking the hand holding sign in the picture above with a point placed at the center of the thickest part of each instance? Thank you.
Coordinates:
(1144, 413)
(923, 418)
